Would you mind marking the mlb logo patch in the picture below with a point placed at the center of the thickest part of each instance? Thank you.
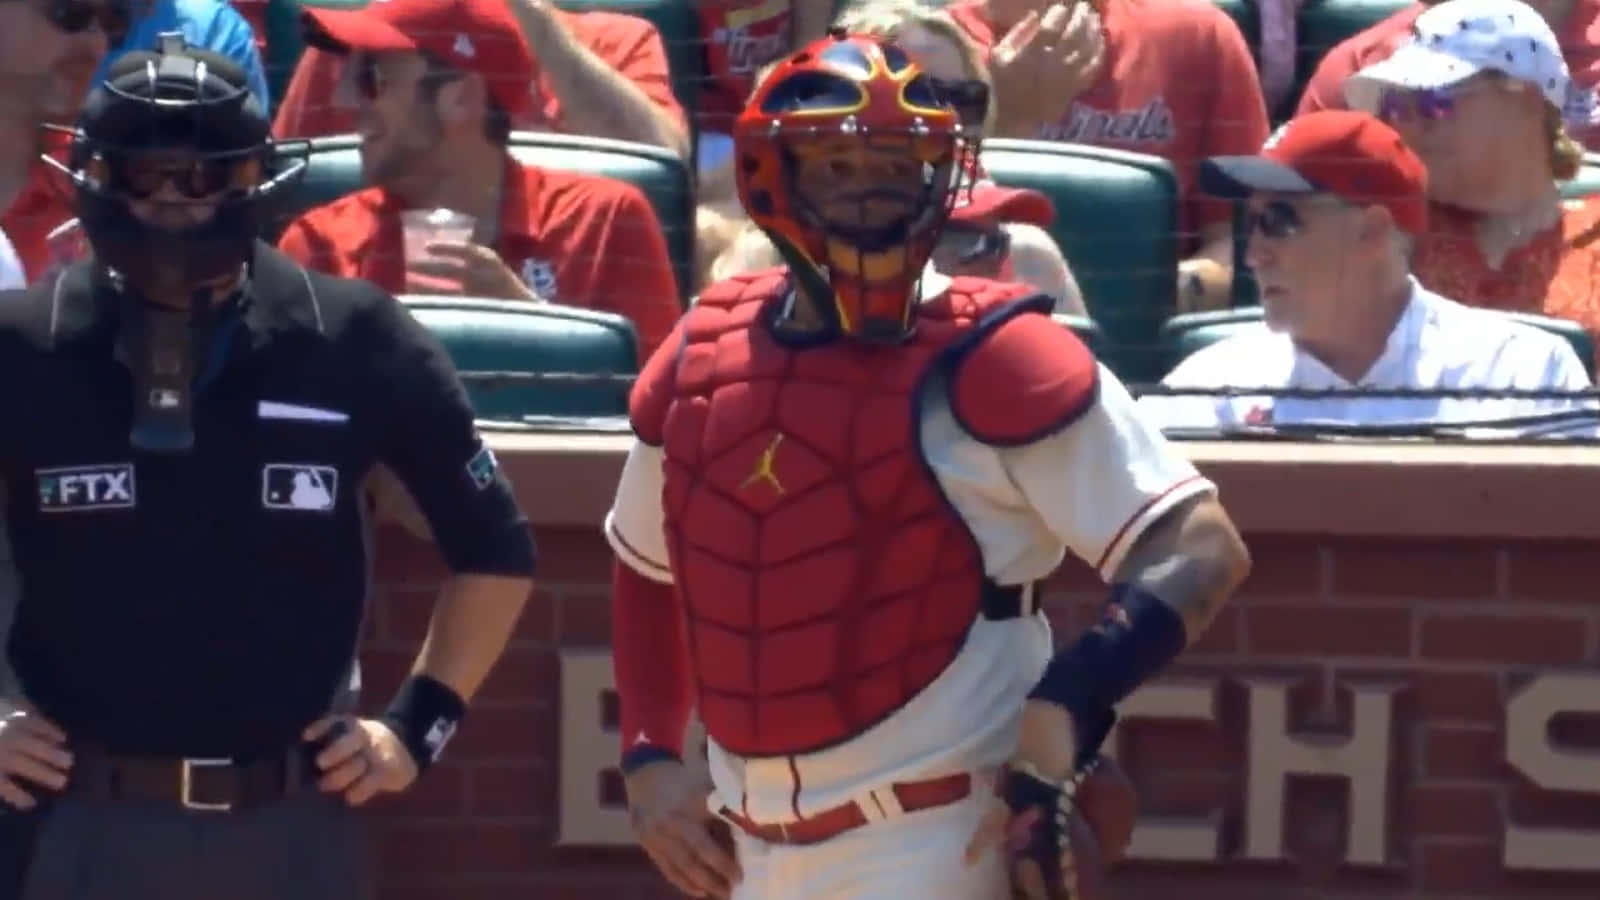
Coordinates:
(83, 488)
(299, 486)
(481, 467)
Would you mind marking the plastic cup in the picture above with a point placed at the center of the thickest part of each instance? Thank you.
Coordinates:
(422, 227)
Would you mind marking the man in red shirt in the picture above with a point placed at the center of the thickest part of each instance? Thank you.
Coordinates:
(1576, 24)
(1172, 78)
(596, 73)
(48, 53)
(440, 82)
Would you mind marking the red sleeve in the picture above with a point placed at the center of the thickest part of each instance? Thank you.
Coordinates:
(1325, 90)
(643, 59)
(632, 270)
(1026, 379)
(1237, 122)
(302, 244)
(650, 661)
(307, 108)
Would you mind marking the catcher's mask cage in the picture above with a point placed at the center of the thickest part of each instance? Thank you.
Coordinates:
(185, 117)
(850, 86)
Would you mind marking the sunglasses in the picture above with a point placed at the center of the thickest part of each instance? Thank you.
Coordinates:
(968, 96)
(370, 82)
(77, 16)
(195, 179)
(1429, 104)
(1277, 220)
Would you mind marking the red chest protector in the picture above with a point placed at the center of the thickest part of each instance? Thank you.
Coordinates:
(825, 578)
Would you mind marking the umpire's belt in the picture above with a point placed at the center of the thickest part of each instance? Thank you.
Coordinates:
(199, 785)
(913, 796)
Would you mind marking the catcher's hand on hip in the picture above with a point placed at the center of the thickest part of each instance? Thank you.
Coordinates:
(667, 806)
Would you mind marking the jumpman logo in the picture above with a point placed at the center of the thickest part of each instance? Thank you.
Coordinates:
(763, 470)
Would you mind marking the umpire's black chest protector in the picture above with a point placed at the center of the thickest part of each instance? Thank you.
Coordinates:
(244, 557)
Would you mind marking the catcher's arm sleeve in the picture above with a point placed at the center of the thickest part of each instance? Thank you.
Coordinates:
(651, 662)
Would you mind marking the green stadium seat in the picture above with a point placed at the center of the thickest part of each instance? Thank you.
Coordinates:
(1117, 224)
(1588, 181)
(1247, 16)
(1184, 335)
(1323, 24)
(334, 170)
(510, 336)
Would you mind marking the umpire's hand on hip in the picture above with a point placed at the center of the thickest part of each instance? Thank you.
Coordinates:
(362, 760)
(32, 752)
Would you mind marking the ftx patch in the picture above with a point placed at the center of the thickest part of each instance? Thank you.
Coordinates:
(76, 488)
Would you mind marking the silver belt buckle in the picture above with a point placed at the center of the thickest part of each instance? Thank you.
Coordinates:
(186, 785)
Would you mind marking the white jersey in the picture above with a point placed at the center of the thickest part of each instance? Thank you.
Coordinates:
(1091, 488)
(1436, 343)
(12, 275)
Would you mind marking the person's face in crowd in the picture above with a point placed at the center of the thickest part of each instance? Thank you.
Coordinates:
(1302, 249)
(851, 182)
(49, 50)
(407, 115)
(1470, 136)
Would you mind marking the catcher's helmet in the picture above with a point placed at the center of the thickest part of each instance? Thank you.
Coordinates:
(868, 94)
(179, 117)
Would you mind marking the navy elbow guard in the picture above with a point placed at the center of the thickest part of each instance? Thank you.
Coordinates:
(425, 715)
(1138, 635)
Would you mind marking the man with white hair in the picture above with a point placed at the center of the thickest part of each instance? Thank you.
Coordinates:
(1335, 200)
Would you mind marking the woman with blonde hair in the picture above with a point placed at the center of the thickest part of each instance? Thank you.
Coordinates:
(1484, 97)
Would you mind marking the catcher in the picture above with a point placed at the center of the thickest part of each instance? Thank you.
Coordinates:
(849, 473)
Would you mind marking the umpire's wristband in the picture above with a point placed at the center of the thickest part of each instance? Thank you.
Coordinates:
(425, 715)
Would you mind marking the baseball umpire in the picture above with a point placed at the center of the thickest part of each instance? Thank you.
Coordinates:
(192, 416)
(848, 474)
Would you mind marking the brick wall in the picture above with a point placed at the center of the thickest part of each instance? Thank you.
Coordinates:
(1454, 626)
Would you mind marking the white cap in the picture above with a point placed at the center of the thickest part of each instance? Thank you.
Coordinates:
(1458, 39)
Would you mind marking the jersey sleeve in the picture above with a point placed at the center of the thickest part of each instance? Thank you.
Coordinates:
(426, 435)
(635, 525)
(1099, 483)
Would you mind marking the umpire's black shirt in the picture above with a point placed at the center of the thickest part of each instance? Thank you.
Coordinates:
(210, 603)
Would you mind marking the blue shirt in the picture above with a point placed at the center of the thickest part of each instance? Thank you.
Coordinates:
(207, 24)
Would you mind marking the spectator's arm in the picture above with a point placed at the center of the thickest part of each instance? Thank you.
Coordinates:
(597, 99)
(231, 35)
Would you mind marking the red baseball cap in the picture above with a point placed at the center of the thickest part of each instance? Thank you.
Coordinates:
(1350, 154)
(479, 36)
(979, 199)
(989, 202)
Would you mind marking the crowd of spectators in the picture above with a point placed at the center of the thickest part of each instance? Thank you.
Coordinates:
(1365, 280)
